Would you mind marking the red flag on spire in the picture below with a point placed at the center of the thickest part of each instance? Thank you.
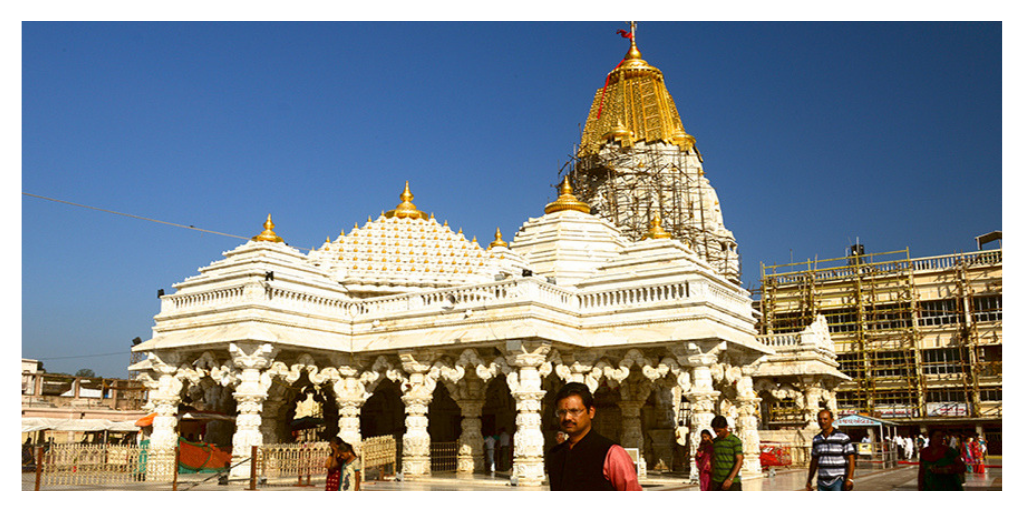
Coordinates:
(623, 33)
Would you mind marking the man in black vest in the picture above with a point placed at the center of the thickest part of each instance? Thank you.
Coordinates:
(587, 461)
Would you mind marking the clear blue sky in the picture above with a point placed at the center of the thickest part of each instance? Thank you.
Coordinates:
(813, 134)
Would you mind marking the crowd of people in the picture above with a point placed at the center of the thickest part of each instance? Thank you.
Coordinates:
(584, 460)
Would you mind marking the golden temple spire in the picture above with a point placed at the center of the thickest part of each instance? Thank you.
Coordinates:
(566, 201)
(634, 93)
(656, 232)
(498, 242)
(406, 209)
(268, 234)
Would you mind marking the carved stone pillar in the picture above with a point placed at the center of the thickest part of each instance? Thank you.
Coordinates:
(746, 423)
(702, 398)
(634, 393)
(350, 395)
(632, 435)
(251, 391)
(813, 394)
(417, 397)
(270, 423)
(471, 442)
(164, 397)
(525, 385)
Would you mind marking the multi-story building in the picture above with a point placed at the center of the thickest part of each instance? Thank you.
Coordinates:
(921, 338)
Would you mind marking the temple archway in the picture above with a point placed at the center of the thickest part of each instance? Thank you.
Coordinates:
(383, 414)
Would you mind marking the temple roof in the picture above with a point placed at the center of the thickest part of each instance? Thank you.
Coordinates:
(405, 248)
(633, 106)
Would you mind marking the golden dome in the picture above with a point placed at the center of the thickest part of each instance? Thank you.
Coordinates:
(656, 232)
(635, 92)
(566, 201)
(268, 234)
(406, 209)
(498, 242)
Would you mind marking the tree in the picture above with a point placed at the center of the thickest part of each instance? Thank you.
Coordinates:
(85, 372)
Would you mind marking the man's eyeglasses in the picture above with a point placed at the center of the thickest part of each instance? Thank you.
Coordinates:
(575, 413)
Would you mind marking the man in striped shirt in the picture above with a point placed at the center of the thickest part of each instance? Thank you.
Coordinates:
(833, 456)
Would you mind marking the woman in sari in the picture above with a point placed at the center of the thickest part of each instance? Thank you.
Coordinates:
(941, 466)
(967, 455)
(343, 471)
(705, 454)
(977, 460)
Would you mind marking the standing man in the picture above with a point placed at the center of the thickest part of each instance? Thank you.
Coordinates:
(833, 456)
(505, 450)
(727, 459)
(586, 461)
(489, 453)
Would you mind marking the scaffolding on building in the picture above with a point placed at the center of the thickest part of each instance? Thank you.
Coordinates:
(875, 316)
(631, 188)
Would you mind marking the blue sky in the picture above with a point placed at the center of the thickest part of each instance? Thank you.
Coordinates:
(813, 134)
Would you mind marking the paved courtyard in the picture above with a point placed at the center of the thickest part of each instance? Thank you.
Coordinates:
(902, 478)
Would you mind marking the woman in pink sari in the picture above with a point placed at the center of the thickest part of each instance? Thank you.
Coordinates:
(977, 457)
(705, 453)
(966, 455)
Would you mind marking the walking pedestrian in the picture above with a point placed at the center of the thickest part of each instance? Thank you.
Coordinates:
(705, 454)
(833, 457)
(941, 466)
(728, 457)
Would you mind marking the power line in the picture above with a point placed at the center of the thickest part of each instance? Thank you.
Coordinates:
(145, 218)
(83, 357)
(134, 216)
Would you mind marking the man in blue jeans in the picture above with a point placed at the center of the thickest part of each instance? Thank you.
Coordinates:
(833, 456)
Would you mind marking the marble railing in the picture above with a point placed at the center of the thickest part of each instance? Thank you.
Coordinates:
(467, 297)
(610, 299)
(778, 341)
(179, 302)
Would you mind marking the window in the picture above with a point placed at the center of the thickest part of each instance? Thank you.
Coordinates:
(887, 317)
(939, 361)
(851, 364)
(946, 395)
(987, 308)
(938, 312)
(991, 394)
(841, 320)
(889, 363)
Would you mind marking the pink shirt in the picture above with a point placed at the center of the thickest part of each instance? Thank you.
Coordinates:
(618, 469)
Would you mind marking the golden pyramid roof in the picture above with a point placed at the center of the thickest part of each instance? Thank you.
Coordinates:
(633, 106)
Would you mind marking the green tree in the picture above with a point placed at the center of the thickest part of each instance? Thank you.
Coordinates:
(85, 372)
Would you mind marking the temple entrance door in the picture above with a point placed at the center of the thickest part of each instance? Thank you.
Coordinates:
(499, 412)
(383, 414)
(608, 419)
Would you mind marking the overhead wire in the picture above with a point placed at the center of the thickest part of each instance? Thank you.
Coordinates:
(138, 217)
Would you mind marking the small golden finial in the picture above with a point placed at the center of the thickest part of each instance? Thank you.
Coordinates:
(566, 201)
(406, 209)
(268, 234)
(498, 242)
(656, 232)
